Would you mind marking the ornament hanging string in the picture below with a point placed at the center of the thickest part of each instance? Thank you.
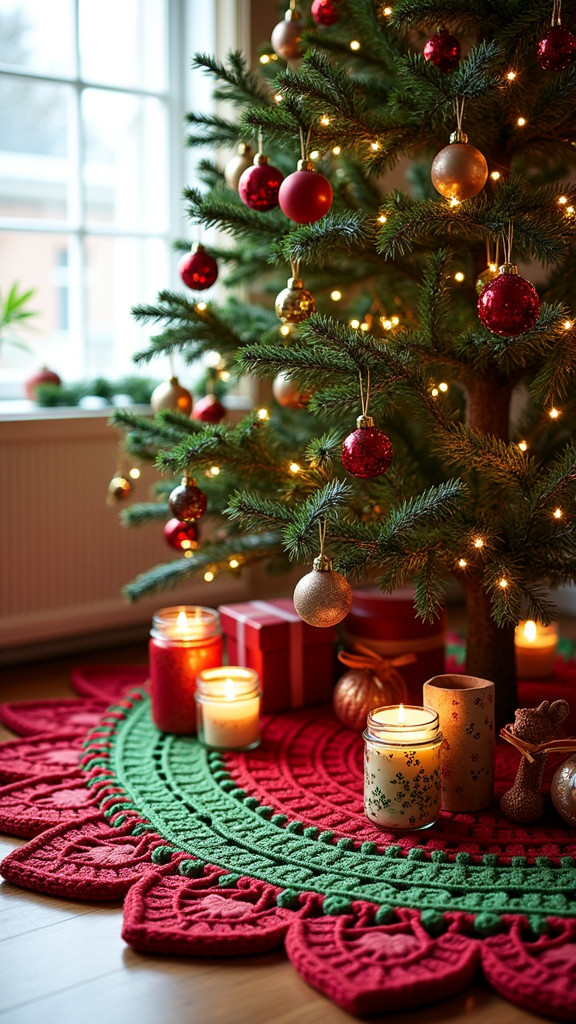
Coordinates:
(459, 103)
(531, 750)
(364, 402)
(489, 260)
(304, 144)
(295, 268)
(260, 141)
(556, 13)
(385, 670)
(322, 530)
(507, 238)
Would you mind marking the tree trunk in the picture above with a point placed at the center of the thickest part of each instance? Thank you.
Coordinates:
(490, 652)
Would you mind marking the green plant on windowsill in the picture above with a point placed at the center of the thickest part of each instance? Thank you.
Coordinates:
(15, 315)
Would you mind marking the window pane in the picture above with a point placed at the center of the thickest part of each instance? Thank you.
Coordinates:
(124, 43)
(38, 34)
(41, 261)
(35, 164)
(125, 172)
(120, 272)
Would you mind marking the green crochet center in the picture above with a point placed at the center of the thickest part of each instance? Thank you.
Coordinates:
(186, 794)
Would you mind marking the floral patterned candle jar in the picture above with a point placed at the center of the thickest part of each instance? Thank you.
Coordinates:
(402, 767)
(183, 641)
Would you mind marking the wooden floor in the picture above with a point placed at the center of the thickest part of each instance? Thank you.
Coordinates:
(63, 962)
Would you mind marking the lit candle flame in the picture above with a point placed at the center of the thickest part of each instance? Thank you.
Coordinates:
(530, 630)
(229, 689)
(401, 715)
(182, 622)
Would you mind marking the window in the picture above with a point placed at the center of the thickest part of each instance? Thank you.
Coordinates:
(92, 165)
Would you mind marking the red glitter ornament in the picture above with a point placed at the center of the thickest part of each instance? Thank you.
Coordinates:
(508, 305)
(198, 269)
(259, 184)
(187, 501)
(181, 536)
(324, 12)
(367, 451)
(306, 195)
(443, 50)
(557, 50)
(208, 410)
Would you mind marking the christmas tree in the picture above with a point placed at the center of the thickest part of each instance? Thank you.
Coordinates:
(462, 464)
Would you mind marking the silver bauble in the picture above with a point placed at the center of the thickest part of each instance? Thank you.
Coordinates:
(563, 790)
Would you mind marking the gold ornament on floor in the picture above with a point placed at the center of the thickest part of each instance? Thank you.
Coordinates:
(294, 303)
(323, 597)
(459, 171)
(371, 682)
(171, 395)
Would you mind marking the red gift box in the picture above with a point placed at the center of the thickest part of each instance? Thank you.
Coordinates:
(387, 623)
(295, 661)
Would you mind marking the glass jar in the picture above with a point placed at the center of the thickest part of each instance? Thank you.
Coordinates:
(184, 640)
(228, 708)
(402, 767)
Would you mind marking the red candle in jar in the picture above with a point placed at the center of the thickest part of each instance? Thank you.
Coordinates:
(184, 641)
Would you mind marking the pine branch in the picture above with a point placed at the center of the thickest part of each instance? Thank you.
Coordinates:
(221, 210)
(140, 514)
(239, 84)
(315, 244)
(215, 131)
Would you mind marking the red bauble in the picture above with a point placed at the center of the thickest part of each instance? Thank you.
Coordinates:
(305, 196)
(443, 50)
(508, 305)
(557, 50)
(367, 451)
(198, 269)
(324, 12)
(208, 410)
(181, 536)
(44, 376)
(259, 184)
(187, 501)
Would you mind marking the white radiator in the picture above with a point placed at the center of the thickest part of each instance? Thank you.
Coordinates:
(63, 555)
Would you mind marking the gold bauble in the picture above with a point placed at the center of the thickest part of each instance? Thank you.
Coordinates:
(563, 790)
(357, 693)
(485, 277)
(237, 164)
(286, 36)
(288, 394)
(322, 597)
(171, 395)
(119, 489)
(294, 304)
(459, 171)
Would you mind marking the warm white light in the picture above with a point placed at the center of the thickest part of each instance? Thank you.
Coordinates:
(182, 622)
(554, 413)
(325, 119)
(434, 392)
(200, 306)
(208, 576)
(523, 446)
(265, 58)
(462, 563)
(567, 325)
(364, 326)
(285, 330)
(315, 154)
(134, 473)
(382, 218)
(294, 467)
(569, 209)
(229, 689)
(224, 375)
(530, 630)
(354, 45)
(375, 146)
(443, 386)
(215, 470)
(454, 201)
(263, 414)
(458, 276)
(185, 544)
(521, 122)
(337, 150)
(401, 714)
(386, 324)
(387, 12)
(278, 97)
(233, 563)
(511, 76)
(188, 554)
(495, 175)
(355, 324)
(395, 320)
(335, 295)
(212, 358)
(503, 583)
(478, 543)
(562, 200)
(557, 513)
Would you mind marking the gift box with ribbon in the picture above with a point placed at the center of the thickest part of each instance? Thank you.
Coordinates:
(388, 625)
(295, 661)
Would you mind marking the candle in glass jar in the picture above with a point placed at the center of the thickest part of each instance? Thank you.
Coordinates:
(228, 708)
(183, 641)
(402, 767)
(535, 647)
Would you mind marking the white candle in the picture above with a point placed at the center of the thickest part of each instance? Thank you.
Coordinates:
(402, 767)
(228, 705)
(535, 647)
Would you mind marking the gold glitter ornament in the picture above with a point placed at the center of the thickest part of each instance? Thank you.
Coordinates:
(294, 303)
(459, 171)
(322, 597)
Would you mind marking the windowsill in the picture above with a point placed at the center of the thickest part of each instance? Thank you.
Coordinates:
(22, 409)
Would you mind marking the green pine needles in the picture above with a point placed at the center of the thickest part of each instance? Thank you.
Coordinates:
(482, 487)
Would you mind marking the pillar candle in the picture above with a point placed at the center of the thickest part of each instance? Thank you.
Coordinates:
(183, 641)
(402, 767)
(535, 647)
(228, 708)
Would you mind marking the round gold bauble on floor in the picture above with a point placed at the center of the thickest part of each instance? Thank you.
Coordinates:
(357, 693)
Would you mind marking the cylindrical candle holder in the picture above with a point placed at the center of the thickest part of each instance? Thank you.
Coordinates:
(465, 705)
(402, 767)
(183, 641)
(228, 708)
(535, 649)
